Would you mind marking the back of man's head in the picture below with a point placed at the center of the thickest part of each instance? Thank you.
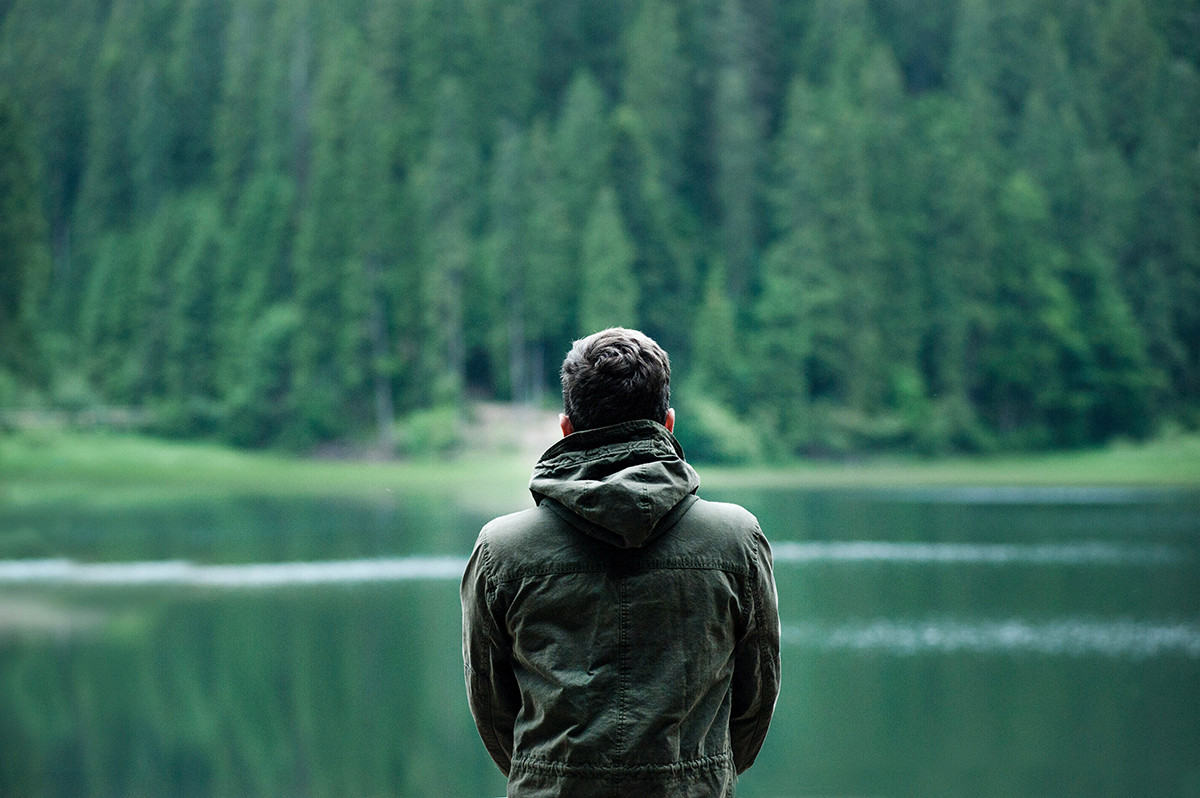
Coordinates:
(615, 375)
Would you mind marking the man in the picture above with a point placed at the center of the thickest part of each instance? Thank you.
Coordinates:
(621, 638)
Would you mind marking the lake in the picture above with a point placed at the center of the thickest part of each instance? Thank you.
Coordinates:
(937, 642)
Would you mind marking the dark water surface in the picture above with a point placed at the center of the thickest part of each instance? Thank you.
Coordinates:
(937, 642)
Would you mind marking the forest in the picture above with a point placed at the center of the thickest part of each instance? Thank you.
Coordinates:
(858, 226)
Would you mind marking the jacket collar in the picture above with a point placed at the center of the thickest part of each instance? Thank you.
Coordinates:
(620, 481)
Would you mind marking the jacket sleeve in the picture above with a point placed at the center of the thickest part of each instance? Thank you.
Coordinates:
(492, 690)
(756, 661)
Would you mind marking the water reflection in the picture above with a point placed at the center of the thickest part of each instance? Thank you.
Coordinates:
(932, 647)
(1075, 637)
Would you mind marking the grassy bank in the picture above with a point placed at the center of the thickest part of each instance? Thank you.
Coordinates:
(41, 466)
(1173, 463)
(52, 465)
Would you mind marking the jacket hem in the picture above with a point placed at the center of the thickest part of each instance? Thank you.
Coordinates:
(718, 762)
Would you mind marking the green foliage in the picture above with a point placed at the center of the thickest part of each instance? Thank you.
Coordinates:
(24, 250)
(430, 433)
(446, 187)
(855, 224)
(656, 88)
(609, 292)
(260, 412)
(712, 433)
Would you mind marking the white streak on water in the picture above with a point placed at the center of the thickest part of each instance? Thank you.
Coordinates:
(180, 573)
(1034, 494)
(267, 575)
(1077, 637)
(1082, 553)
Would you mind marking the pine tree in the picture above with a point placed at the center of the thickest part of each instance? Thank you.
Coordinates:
(107, 194)
(656, 88)
(738, 156)
(237, 124)
(508, 240)
(1034, 340)
(1130, 59)
(24, 249)
(608, 293)
(191, 351)
(581, 146)
(48, 54)
(663, 259)
(550, 271)
(958, 233)
(796, 338)
(450, 202)
(253, 274)
(717, 371)
(194, 80)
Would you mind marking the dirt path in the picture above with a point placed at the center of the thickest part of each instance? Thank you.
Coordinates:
(499, 427)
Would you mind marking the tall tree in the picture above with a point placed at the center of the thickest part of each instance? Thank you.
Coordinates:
(608, 293)
(717, 370)
(237, 119)
(581, 146)
(796, 336)
(343, 373)
(663, 257)
(447, 188)
(656, 87)
(24, 248)
(253, 274)
(1131, 56)
(508, 239)
(194, 80)
(649, 169)
(1034, 339)
(958, 235)
(191, 357)
(48, 53)
(550, 298)
(738, 155)
(107, 194)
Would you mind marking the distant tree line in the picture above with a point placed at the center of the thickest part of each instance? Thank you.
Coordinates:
(929, 225)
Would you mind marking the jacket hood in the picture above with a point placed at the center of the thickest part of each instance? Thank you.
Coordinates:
(618, 482)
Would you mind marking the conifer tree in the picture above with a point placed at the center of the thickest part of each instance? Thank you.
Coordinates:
(608, 293)
(656, 88)
(551, 270)
(508, 240)
(24, 249)
(1130, 59)
(738, 156)
(447, 188)
(191, 350)
(1035, 333)
(253, 274)
(581, 146)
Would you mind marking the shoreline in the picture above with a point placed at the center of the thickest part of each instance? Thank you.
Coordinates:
(119, 468)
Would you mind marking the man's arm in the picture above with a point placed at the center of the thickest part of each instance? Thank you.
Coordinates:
(756, 663)
(492, 690)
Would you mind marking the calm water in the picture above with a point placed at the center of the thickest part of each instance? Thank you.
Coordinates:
(936, 643)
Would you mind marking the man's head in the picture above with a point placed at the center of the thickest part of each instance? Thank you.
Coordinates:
(615, 375)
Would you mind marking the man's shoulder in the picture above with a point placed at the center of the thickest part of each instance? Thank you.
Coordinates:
(712, 532)
(521, 533)
(722, 518)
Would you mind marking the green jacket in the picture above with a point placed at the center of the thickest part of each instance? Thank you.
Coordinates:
(621, 637)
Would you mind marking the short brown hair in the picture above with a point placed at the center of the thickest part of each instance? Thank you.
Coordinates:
(615, 375)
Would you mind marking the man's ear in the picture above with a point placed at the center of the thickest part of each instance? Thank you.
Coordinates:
(565, 424)
(669, 421)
